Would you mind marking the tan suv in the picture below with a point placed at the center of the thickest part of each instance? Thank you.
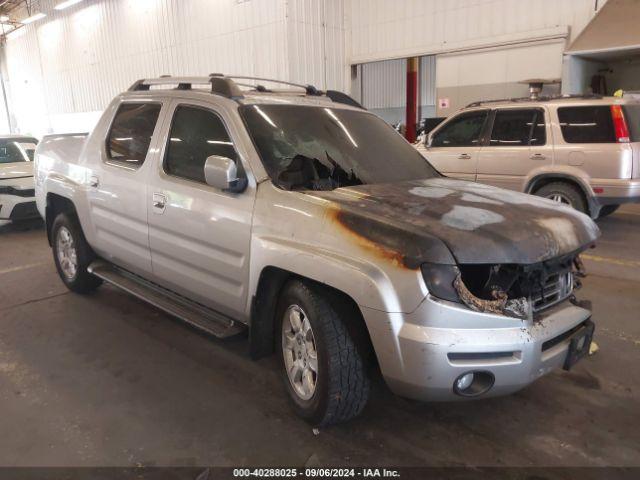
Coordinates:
(583, 151)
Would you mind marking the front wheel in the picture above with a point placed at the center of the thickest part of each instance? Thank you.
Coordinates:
(323, 370)
(72, 255)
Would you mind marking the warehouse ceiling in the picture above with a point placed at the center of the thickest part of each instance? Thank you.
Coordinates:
(12, 12)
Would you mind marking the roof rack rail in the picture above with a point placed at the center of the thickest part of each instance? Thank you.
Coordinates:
(546, 98)
(220, 85)
(309, 89)
(226, 86)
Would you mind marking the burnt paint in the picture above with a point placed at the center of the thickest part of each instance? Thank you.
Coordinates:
(408, 228)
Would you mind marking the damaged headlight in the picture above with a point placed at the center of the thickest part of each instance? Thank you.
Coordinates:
(446, 282)
(439, 279)
(499, 302)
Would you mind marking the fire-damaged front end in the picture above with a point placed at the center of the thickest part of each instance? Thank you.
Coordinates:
(513, 290)
(499, 310)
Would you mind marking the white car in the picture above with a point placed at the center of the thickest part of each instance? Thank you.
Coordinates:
(17, 196)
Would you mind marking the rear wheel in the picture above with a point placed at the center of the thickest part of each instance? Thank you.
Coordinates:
(72, 254)
(323, 370)
(608, 210)
(564, 193)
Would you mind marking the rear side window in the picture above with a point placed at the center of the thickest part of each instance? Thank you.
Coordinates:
(131, 132)
(632, 116)
(514, 128)
(195, 134)
(462, 131)
(587, 124)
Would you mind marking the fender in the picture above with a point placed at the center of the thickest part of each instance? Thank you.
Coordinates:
(362, 284)
(365, 282)
(69, 189)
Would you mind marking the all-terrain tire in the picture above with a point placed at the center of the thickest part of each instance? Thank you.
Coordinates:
(81, 281)
(342, 385)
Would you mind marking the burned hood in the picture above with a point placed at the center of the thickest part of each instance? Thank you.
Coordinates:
(416, 221)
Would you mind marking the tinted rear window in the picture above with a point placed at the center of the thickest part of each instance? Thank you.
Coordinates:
(516, 128)
(632, 116)
(131, 132)
(587, 124)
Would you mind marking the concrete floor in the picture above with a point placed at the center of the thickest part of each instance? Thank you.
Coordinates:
(108, 380)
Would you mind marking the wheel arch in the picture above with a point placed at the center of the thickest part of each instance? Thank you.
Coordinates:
(539, 181)
(55, 205)
(263, 325)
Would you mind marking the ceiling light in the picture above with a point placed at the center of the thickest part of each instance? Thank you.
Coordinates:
(65, 4)
(33, 18)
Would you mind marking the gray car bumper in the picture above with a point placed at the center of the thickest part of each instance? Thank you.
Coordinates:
(425, 351)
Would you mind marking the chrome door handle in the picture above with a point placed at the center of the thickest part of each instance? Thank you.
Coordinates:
(159, 202)
(537, 156)
(464, 156)
(94, 181)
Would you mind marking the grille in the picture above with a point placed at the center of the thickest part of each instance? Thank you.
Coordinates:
(557, 287)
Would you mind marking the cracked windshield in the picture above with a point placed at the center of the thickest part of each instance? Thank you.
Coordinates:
(316, 148)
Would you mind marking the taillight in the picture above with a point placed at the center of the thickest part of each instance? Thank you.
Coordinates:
(619, 124)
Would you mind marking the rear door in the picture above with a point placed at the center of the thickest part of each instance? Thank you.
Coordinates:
(117, 186)
(517, 145)
(199, 235)
(454, 147)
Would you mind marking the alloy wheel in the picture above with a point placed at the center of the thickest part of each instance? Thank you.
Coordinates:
(299, 352)
(67, 255)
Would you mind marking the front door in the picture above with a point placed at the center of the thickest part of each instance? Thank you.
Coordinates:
(517, 145)
(199, 235)
(117, 187)
(454, 147)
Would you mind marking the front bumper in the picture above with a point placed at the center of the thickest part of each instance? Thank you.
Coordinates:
(424, 352)
(15, 208)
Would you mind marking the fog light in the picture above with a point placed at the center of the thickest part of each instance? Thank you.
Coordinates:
(472, 384)
(464, 381)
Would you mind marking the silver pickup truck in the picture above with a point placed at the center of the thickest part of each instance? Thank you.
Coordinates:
(298, 216)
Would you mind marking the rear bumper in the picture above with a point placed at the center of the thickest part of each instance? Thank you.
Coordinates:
(616, 192)
(441, 341)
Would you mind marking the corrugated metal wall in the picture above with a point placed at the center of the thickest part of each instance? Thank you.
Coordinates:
(427, 79)
(384, 84)
(316, 42)
(383, 29)
(91, 52)
(384, 87)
